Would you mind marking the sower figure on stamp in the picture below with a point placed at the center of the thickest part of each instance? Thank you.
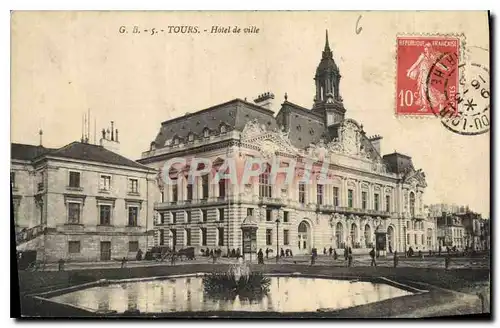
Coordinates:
(419, 71)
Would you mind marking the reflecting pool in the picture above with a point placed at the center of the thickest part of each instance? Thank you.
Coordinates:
(286, 294)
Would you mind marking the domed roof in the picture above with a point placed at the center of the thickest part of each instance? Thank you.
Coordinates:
(327, 63)
(250, 221)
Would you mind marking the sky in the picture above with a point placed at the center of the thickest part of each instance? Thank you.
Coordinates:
(65, 63)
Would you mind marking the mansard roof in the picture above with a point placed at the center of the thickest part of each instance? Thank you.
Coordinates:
(75, 150)
(233, 114)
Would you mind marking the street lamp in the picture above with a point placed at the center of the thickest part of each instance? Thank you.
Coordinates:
(277, 240)
(404, 235)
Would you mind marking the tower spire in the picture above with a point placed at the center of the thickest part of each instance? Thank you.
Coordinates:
(327, 53)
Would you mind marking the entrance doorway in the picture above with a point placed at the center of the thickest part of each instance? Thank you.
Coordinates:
(339, 235)
(304, 237)
(390, 239)
(105, 250)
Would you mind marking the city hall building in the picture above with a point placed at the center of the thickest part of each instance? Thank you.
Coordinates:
(371, 195)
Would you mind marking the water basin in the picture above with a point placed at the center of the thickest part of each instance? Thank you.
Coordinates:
(286, 294)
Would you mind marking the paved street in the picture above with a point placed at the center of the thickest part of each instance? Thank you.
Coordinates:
(322, 260)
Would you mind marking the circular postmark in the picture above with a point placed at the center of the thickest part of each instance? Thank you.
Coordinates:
(459, 92)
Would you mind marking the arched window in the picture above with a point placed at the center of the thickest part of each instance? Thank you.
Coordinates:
(265, 188)
(206, 133)
(412, 204)
(190, 137)
(223, 128)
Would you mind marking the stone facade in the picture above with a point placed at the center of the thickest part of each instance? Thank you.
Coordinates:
(367, 193)
(43, 195)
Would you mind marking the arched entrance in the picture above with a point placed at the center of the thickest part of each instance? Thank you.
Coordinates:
(304, 237)
(390, 239)
(368, 236)
(339, 235)
(354, 235)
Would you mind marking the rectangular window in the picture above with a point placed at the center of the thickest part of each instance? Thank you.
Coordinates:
(174, 217)
(220, 236)
(415, 239)
(285, 216)
(336, 196)
(204, 183)
(319, 194)
(162, 196)
(133, 213)
(173, 233)
(204, 215)
(387, 203)
(162, 218)
(74, 179)
(286, 240)
(408, 224)
(74, 213)
(203, 236)
(189, 217)
(74, 247)
(302, 193)
(222, 188)
(13, 180)
(269, 215)
(408, 238)
(265, 189)
(376, 202)
(189, 192)
(221, 214)
(188, 237)
(422, 239)
(104, 214)
(133, 185)
(133, 246)
(350, 198)
(175, 195)
(162, 237)
(269, 237)
(364, 197)
(105, 182)
(249, 211)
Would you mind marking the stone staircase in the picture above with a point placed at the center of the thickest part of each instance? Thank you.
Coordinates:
(26, 235)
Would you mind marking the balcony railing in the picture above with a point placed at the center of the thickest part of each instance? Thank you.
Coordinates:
(351, 210)
(40, 187)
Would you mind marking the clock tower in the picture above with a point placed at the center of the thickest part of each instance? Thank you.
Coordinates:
(327, 100)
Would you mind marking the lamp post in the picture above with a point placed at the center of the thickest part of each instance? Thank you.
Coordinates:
(277, 240)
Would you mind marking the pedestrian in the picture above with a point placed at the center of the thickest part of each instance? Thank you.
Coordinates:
(138, 257)
(282, 253)
(267, 253)
(124, 260)
(287, 252)
(260, 256)
(324, 250)
(439, 250)
(291, 254)
(314, 253)
(335, 256)
(372, 255)
(346, 253)
(420, 254)
(396, 260)
(349, 260)
(330, 250)
(447, 261)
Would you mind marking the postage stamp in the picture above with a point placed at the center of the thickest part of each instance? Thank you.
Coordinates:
(427, 74)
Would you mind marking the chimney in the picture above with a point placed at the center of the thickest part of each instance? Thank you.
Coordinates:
(376, 140)
(109, 140)
(265, 100)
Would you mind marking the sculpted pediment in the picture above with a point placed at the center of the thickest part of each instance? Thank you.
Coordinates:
(415, 178)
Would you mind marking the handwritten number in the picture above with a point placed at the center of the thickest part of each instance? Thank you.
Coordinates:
(358, 28)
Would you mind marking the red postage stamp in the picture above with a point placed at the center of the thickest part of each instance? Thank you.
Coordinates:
(427, 75)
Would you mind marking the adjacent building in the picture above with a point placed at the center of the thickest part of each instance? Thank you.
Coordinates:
(81, 202)
(371, 194)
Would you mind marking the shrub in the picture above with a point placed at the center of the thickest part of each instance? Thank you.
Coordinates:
(224, 285)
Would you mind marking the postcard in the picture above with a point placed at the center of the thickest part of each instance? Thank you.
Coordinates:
(251, 164)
